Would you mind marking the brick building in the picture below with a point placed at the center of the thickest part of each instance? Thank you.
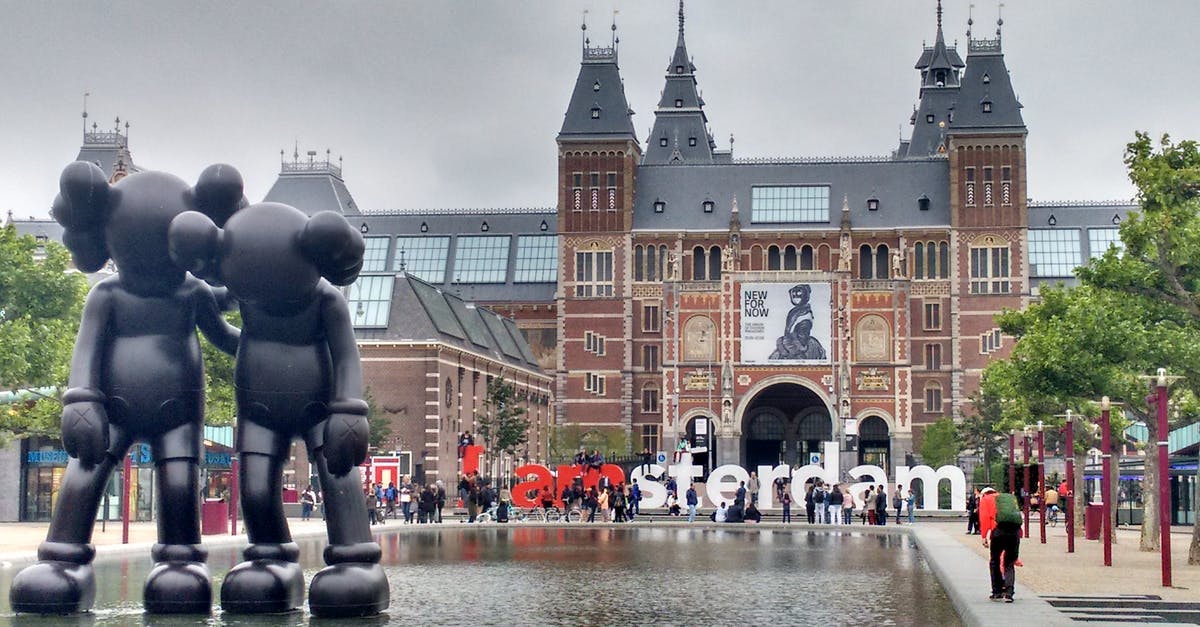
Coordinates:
(756, 307)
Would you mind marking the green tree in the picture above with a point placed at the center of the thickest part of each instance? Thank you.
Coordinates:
(379, 422)
(220, 403)
(41, 300)
(1159, 263)
(501, 426)
(940, 445)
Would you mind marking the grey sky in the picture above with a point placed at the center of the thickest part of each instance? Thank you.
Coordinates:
(456, 104)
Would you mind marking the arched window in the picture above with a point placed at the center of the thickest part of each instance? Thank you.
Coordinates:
(714, 263)
(766, 426)
(882, 270)
(919, 261)
(931, 260)
(806, 257)
(944, 260)
(651, 264)
(639, 270)
(662, 263)
(773, 261)
(699, 263)
(756, 257)
(866, 262)
(789, 258)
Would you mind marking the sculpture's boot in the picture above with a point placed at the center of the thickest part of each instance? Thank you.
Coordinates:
(61, 582)
(269, 581)
(179, 582)
(353, 584)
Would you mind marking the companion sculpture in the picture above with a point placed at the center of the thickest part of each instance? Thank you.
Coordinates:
(137, 374)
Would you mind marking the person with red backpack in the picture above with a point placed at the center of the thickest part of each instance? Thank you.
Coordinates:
(1000, 526)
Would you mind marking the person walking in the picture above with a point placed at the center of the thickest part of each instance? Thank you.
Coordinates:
(897, 502)
(604, 504)
(910, 503)
(869, 506)
(847, 507)
(752, 487)
(371, 503)
(406, 498)
(1000, 525)
(619, 504)
(810, 505)
(692, 501)
(592, 501)
(786, 500)
(440, 492)
(308, 500)
(881, 505)
(635, 499)
(973, 512)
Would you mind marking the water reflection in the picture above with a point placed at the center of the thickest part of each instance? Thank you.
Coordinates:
(599, 575)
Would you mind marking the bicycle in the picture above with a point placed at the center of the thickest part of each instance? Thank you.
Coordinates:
(1053, 516)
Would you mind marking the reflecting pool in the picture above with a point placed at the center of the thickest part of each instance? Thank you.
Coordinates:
(670, 575)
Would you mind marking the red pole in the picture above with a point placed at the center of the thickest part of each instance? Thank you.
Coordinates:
(1070, 508)
(1106, 477)
(1012, 461)
(126, 508)
(1164, 480)
(1042, 481)
(1025, 473)
(233, 495)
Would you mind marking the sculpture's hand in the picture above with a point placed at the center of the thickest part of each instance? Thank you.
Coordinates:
(346, 440)
(85, 431)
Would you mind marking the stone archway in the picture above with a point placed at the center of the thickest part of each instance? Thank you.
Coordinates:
(784, 422)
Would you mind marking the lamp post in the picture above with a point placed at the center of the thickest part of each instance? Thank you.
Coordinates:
(126, 504)
(1025, 474)
(1106, 476)
(1070, 509)
(1012, 461)
(1164, 479)
(1041, 443)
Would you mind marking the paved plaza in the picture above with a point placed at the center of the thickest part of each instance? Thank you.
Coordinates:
(1055, 586)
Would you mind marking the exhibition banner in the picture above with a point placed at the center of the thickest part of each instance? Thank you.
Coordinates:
(786, 323)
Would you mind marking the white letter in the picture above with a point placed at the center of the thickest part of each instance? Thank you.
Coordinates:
(716, 486)
(654, 494)
(684, 474)
(875, 473)
(929, 483)
(766, 483)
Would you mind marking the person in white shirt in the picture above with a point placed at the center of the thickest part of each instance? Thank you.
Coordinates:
(721, 513)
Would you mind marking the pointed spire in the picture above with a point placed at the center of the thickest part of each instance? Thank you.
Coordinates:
(681, 18)
(999, 19)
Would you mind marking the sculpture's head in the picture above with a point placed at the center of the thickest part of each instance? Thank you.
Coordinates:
(128, 221)
(269, 254)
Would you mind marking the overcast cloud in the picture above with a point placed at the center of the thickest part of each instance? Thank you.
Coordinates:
(456, 104)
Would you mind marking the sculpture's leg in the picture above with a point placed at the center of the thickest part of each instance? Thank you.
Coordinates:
(353, 583)
(179, 582)
(270, 580)
(62, 581)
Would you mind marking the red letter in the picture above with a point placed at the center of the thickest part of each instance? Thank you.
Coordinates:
(521, 491)
(471, 455)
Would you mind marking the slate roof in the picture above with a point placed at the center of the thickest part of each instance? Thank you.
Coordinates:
(896, 184)
(986, 80)
(107, 149)
(312, 187)
(424, 312)
(680, 134)
(598, 86)
(1079, 213)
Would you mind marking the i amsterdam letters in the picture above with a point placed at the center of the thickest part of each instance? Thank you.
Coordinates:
(723, 480)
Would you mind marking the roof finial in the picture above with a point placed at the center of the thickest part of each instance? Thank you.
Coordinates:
(583, 28)
(296, 151)
(614, 29)
(85, 97)
(939, 15)
(999, 19)
(970, 20)
(680, 17)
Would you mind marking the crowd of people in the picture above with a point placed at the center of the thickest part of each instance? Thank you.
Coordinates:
(416, 504)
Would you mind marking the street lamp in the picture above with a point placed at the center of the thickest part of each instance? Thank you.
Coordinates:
(1070, 509)
(1041, 443)
(1106, 476)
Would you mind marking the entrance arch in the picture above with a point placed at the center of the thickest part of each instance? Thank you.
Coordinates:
(874, 442)
(783, 423)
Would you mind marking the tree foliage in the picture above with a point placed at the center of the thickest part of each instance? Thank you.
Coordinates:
(220, 407)
(501, 425)
(940, 445)
(379, 422)
(41, 300)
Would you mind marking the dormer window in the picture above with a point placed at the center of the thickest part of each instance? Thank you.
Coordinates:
(987, 106)
(596, 86)
(691, 141)
(595, 113)
(659, 205)
(708, 206)
(662, 141)
(678, 102)
(929, 118)
(679, 69)
(986, 79)
(872, 204)
(923, 203)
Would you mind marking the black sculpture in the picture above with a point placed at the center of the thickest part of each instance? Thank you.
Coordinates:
(298, 375)
(136, 374)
